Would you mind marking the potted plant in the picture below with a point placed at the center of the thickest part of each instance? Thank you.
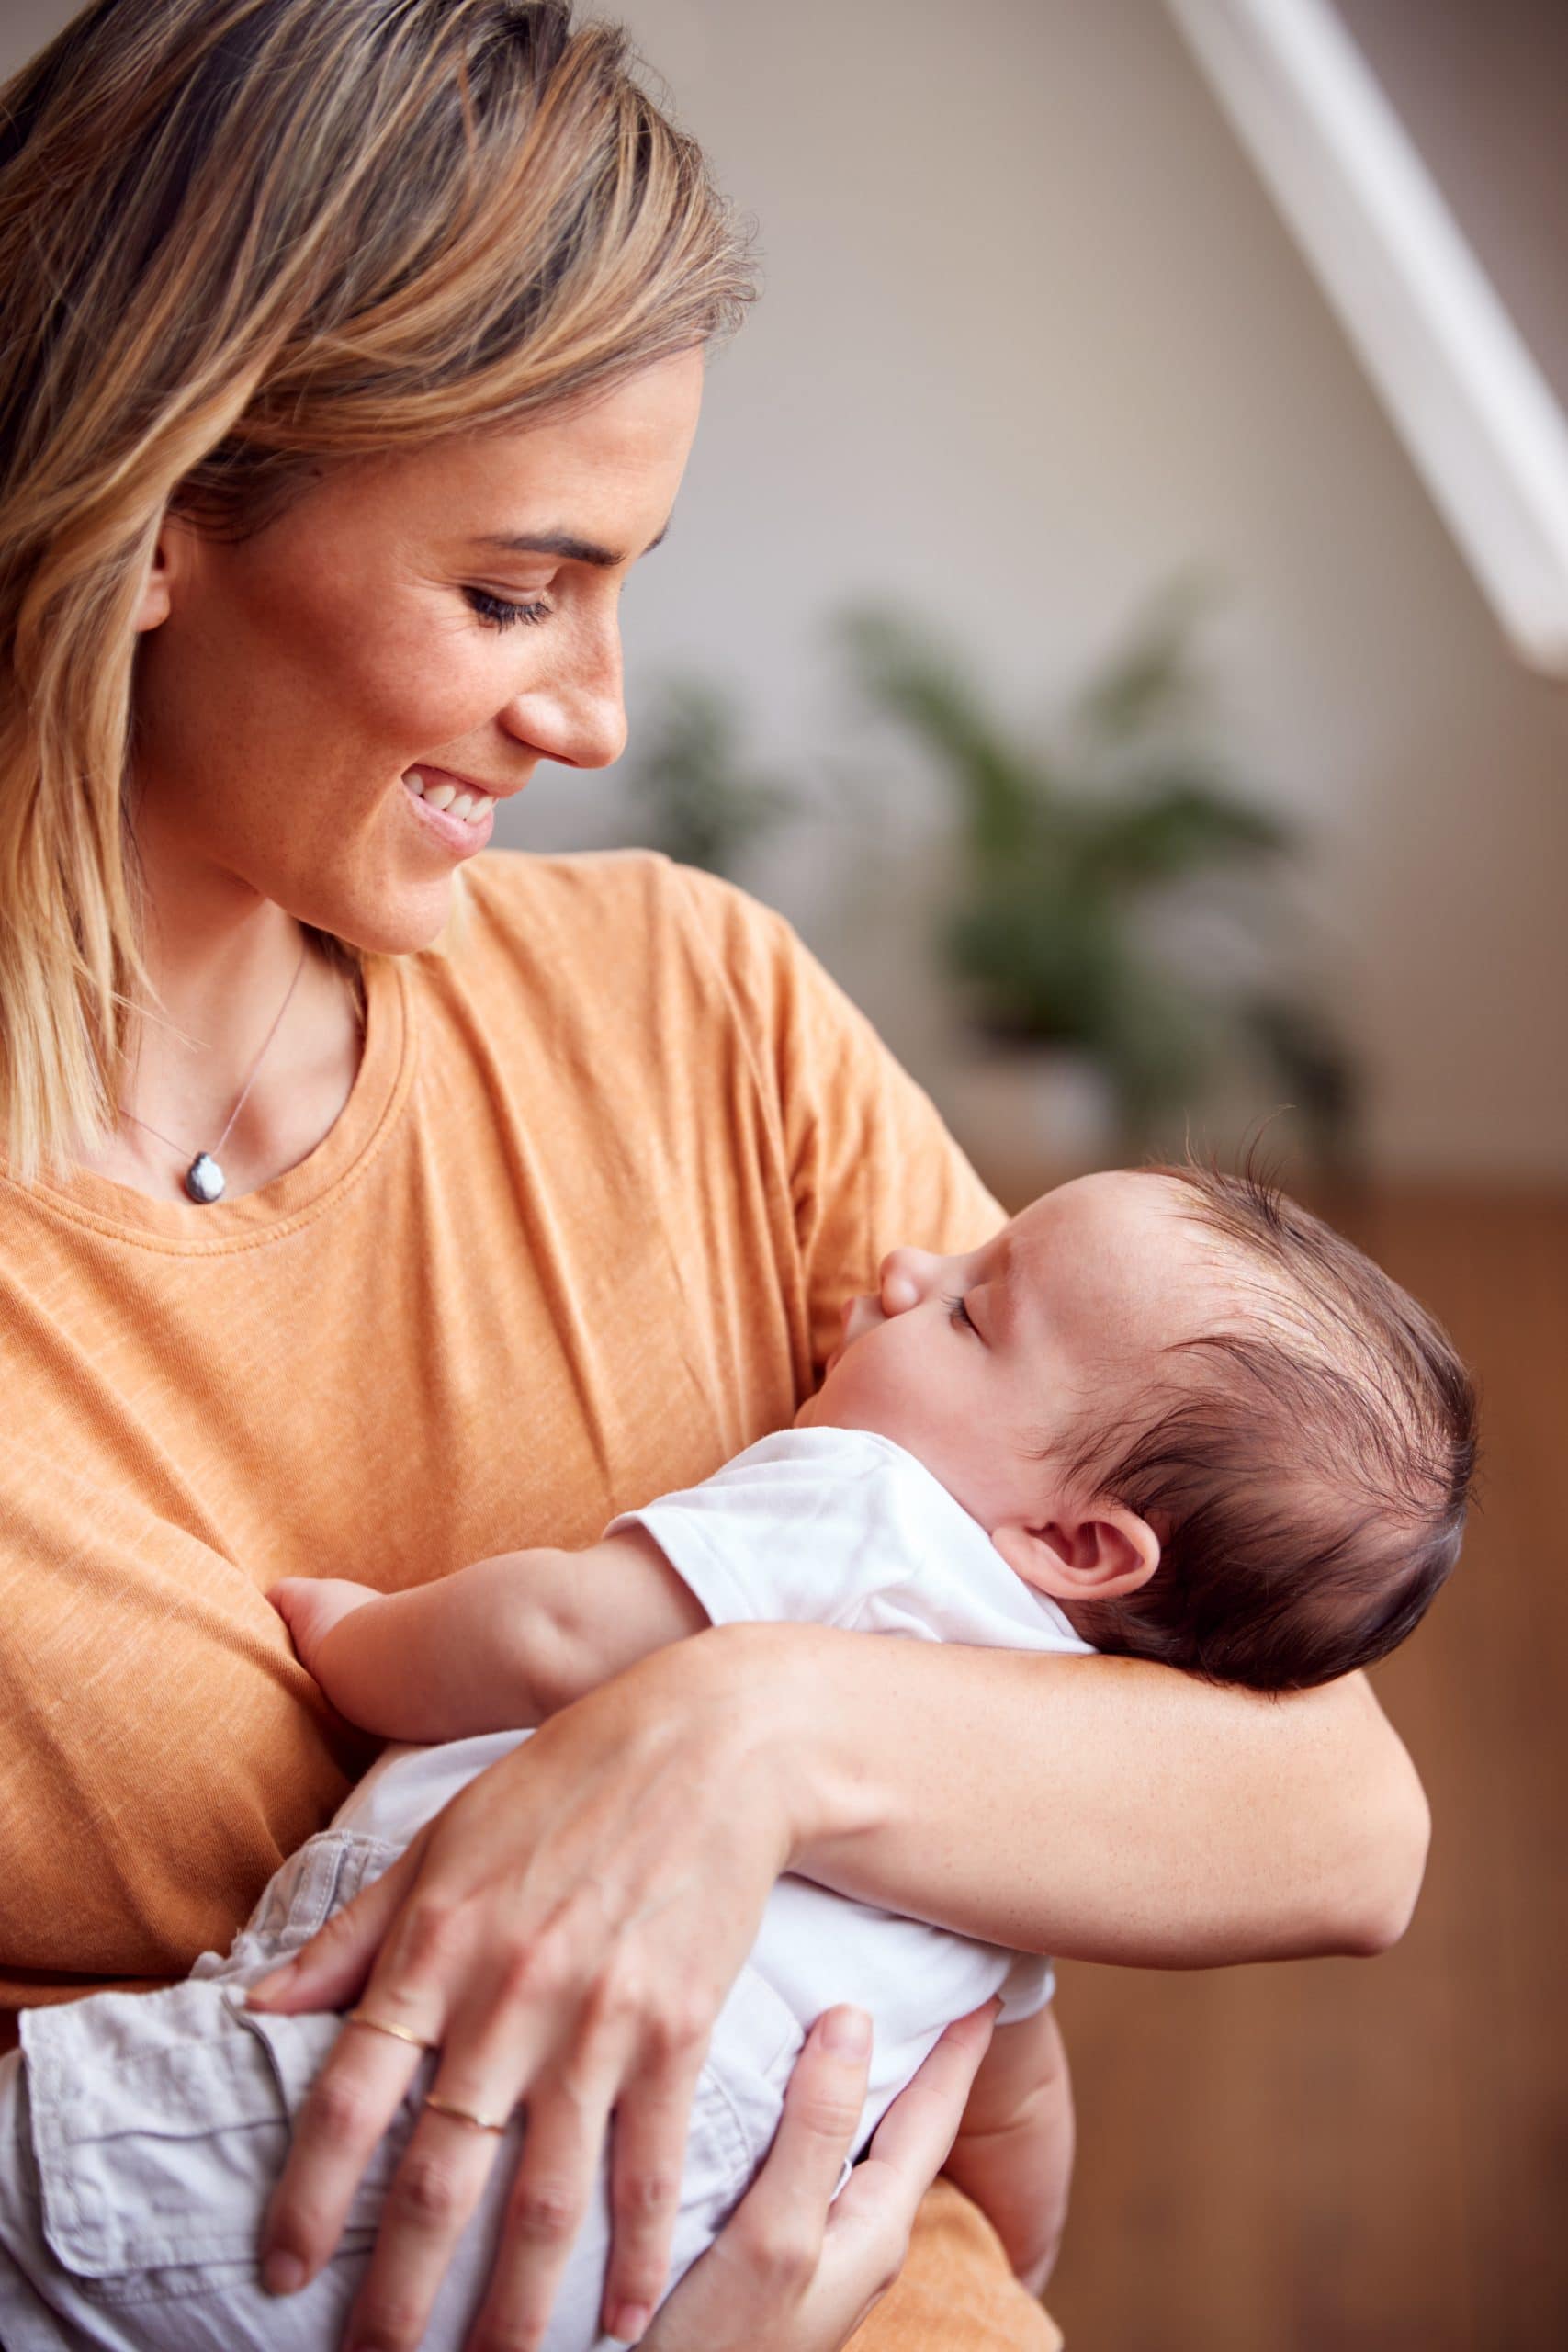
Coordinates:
(1062, 855)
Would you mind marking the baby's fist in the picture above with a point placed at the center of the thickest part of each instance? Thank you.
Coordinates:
(311, 1606)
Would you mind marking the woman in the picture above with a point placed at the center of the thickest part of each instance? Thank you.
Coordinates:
(352, 357)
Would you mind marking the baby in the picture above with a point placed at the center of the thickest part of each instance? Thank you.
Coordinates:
(1165, 1412)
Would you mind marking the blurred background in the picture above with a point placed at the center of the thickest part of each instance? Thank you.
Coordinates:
(1117, 610)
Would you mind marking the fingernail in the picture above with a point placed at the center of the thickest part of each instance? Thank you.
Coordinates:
(283, 2274)
(274, 1982)
(629, 2322)
(847, 2032)
(985, 2015)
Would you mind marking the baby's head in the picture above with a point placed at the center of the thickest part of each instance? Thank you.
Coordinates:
(1212, 1430)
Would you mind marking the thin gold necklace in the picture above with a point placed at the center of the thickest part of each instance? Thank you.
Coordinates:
(204, 1178)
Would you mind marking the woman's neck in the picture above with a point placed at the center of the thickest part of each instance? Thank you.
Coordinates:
(223, 974)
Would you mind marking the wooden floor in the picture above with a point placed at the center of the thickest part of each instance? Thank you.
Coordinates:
(1369, 2155)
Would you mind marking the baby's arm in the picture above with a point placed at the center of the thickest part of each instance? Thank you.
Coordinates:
(1014, 2150)
(497, 1645)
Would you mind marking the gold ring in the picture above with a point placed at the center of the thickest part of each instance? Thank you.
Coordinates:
(465, 2115)
(398, 2032)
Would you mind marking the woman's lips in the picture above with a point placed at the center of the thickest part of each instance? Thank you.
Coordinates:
(460, 833)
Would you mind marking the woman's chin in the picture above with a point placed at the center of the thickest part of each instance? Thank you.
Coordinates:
(400, 919)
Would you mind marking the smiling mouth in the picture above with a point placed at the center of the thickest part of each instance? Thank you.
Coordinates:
(466, 802)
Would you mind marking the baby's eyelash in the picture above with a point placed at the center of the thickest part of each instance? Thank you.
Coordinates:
(498, 613)
(958, 1315)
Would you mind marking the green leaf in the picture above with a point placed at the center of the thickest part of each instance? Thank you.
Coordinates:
(1173, 824)
(900, 671)
(1152, 680)
(1055, 862)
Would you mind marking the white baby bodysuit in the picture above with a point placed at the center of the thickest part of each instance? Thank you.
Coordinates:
(825, 1527)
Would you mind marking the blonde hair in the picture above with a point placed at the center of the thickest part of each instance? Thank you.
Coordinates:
(241, 240)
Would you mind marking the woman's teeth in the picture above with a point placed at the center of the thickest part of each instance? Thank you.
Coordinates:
(441, 793)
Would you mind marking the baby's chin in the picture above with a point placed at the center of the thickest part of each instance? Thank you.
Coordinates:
(829, 1410)
(819, 1412)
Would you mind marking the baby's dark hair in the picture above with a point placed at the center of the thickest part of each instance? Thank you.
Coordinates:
(1306, 1467)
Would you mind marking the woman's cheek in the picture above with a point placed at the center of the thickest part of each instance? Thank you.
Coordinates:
(436, 703)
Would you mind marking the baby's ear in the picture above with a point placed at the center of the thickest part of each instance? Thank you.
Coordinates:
(1094, 1556)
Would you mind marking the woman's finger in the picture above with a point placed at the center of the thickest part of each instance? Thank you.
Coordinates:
(785, 2212)
(439, 2180)
(361, 2086)
(328, 1972)
(336, 2131)
(646, 2155)
(491, 2057)
(911, 2144)
(868, 2230)
(549, 2199)
(821, 2112)
(757, 2286)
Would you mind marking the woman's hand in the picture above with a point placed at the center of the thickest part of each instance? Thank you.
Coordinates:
(565, 1931)
(789, 2272)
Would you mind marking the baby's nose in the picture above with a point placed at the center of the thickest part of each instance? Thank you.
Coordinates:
(903, 1278)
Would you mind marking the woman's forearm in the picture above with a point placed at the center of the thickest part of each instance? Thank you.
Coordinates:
(1098, 1808)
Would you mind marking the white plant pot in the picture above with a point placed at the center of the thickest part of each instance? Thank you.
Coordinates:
(1047, 1108)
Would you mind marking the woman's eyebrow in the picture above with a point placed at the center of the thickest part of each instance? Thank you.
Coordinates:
(565, 544)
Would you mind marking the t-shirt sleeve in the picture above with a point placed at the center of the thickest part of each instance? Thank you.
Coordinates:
(811, 1528)
(871, 1162)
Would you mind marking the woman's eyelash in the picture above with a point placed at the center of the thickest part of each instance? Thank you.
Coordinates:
(498, 613)
(959, 1316)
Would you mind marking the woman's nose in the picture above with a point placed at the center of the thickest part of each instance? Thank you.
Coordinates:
(578, 714)
(905, 1277)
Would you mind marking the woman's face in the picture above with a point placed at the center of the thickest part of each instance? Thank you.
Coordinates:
(286, 688)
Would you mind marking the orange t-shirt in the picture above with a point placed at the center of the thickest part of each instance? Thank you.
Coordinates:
(610, 1166)
(611, 1163)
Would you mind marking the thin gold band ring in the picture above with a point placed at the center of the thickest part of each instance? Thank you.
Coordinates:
(465, 2115)
(398, 2032)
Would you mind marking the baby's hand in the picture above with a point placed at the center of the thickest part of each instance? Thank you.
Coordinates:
(311, 1607)
(417, 1665)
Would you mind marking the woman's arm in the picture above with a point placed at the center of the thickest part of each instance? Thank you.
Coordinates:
(565, 1930)
(1190, 1824)
(1096, 1808)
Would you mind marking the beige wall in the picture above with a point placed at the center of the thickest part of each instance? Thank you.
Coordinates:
(1032, 338)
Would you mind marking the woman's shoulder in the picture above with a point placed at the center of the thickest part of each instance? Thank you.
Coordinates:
(614, 896)
(617, 926)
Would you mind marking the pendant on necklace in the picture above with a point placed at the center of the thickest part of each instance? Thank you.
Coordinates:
(204, 1178)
